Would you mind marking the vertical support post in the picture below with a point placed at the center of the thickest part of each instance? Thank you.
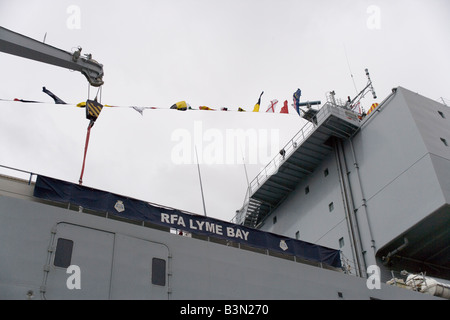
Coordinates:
(200, 178)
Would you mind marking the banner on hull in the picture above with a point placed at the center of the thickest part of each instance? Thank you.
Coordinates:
(89, 198)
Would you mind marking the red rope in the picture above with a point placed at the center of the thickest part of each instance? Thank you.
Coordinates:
(85, 150)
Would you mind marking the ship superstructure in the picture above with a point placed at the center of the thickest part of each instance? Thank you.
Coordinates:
(376, 188)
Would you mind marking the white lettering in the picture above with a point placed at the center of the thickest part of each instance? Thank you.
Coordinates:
(181, 222)
(200, 224)
(165, 218)
(192, 310)
(373, 281)
(213, 153)
(74, 20)
(181, 152)
(213, 147)
(374, 20)
(74, 280)
(210, 227)
(206, 226)
(240, 136)
(239, 234)
(198, 140)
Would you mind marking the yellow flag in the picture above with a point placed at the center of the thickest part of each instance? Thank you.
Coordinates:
(256, 108)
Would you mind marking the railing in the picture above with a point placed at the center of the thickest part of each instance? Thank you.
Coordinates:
(444, 101)
(272, 167)
(20, 174)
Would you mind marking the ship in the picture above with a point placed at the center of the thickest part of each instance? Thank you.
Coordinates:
(354, 207)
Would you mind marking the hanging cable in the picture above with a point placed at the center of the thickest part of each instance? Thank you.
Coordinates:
(93, 109)
(91, 124)
(349, 69)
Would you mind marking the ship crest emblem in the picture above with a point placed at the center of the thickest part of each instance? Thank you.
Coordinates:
(119, 206)
(283, 245)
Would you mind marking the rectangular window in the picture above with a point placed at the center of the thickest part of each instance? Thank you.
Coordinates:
(274, 220)
(158, 272)
(307, 190)
(326, 172)
(63, 253)
(331, 206)
(341, 242)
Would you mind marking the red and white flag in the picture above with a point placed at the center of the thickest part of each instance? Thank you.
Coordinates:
(272, 106)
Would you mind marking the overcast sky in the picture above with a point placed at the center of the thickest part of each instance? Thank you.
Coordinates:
(207, 53)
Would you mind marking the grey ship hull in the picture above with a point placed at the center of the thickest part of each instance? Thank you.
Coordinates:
(116, 260)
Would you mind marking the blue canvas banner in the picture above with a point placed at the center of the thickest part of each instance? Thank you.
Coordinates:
(89, 198)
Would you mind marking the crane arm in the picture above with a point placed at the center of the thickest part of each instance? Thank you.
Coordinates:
(20, 45)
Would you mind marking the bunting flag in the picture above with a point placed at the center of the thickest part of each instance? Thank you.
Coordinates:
(241, 110)
(297, 95)
(182, 105)
(55, 98)
(285, 107)
(139, 109)
(22, 100)
(271, 108)
(256, 108)
(205, 108)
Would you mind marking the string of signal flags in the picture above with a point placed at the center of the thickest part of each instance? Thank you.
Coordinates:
(185, 106)
(93, 109)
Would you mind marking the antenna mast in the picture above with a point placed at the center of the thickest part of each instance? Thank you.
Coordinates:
(363, 91)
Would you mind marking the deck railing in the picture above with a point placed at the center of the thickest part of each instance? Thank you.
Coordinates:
(272, 167)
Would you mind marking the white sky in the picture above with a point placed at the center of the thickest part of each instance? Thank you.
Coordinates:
(208, 53)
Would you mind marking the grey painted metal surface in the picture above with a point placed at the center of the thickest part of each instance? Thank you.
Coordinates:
(398, 165)
(20, 45)
(115, 262)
